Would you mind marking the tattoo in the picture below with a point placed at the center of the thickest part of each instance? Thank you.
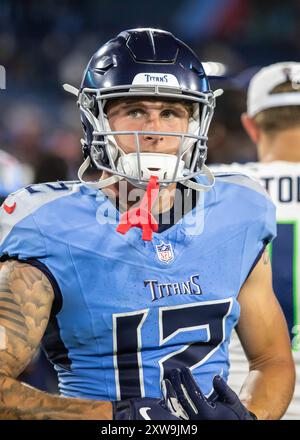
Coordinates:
(7, 300)
(11, 310)
(26, 298)
(11, 320)
(14, 332)
(3, 289)
(20, 401)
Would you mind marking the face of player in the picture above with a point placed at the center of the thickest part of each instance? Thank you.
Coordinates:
(151, 115)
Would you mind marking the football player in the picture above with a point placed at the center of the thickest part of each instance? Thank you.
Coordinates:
(273, 123)
(121, 298)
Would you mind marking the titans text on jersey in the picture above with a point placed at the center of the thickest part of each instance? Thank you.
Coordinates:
(124, 314)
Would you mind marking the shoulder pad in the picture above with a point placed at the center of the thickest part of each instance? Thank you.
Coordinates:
(19, 205)
(242, 180)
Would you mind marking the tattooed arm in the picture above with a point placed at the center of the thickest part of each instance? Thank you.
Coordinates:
(26, 298)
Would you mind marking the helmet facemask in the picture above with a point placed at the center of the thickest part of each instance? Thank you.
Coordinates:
(136, 167)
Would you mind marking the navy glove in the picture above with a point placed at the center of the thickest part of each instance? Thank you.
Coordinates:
(181, 390)
(141, 409)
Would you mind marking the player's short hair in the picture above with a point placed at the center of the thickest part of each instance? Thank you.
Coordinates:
(276, 119)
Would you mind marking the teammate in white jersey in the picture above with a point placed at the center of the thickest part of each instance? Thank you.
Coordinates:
(273, 123)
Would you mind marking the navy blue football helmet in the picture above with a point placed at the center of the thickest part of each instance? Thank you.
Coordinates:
(144, 63)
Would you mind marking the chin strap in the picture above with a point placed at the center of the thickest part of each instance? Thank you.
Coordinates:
(114, 179)
(141, 217)
(100, 183)
(199, 186)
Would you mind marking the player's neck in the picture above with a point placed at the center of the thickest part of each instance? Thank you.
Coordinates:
(126, 196)
(283, 145)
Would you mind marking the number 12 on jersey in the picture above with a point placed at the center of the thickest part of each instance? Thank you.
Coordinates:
(209, 316)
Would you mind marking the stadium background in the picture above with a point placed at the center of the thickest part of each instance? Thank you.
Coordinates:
(44, 44)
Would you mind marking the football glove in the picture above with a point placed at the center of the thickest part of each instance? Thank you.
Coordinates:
(181, 390)
(141, 409)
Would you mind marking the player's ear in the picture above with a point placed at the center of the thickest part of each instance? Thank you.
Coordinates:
(251, 127)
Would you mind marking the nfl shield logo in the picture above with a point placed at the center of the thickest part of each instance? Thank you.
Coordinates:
(165, 252)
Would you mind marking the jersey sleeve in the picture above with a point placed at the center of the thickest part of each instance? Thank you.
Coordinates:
(19, 234)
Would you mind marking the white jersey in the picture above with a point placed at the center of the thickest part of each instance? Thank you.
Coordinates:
(282, 181)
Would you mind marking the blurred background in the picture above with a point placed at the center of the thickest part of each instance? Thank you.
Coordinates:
(44, 44)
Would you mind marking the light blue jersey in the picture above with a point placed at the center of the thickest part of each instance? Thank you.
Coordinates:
(127, 311)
